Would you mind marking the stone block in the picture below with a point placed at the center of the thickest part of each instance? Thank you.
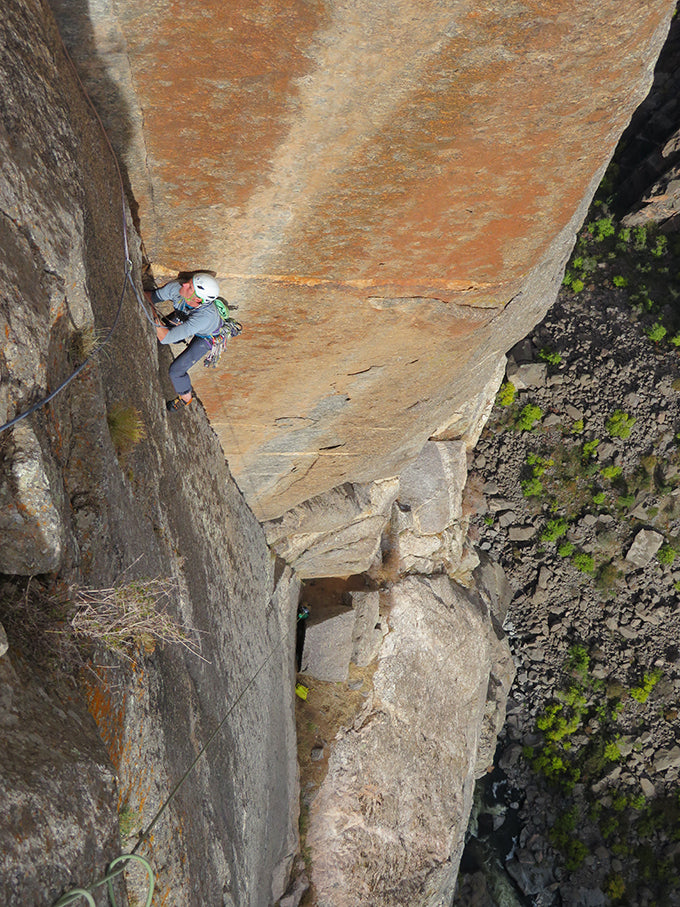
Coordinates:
(645, 545)
(329, 645)
(368, 633)
(528, 374)
(432, 485)
(336, 533)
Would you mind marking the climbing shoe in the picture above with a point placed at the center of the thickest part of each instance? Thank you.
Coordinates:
(173, 405)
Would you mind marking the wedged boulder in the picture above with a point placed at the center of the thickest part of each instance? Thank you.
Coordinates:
(428, 529)
(388, 824)
(336, 533)
(329, 645)
(368, 631)
(58, 817)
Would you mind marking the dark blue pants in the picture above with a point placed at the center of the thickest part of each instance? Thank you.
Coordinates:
(197, 349)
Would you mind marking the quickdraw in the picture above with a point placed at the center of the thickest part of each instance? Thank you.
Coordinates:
(230, 328)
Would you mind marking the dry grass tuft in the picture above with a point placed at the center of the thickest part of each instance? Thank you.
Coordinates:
(132, 615)
(126, 427)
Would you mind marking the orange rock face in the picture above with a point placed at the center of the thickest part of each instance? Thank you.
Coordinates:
(373, 183)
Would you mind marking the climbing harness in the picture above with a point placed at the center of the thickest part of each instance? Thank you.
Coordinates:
(218, 341)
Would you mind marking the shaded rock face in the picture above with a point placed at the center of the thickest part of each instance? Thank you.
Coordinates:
(388, 191)
(168, 509)
(387, 824)
(58, 797)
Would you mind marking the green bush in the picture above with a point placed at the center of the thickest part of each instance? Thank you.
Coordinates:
(551, 357)
(583, 562)
(599, 498)
(649, 681)
(539, 464)
(602, 228)
(532, 488)
(666, 555)
(640, 238)
(620, 281)
(554, 530)
(590, 448)
(507, 393)
(620, 424)
(610, 472)
(528, 417)
(659, 247)
(566, 549)
(657, 332)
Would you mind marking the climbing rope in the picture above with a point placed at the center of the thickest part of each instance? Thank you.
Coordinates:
(128, 267)
(76, 893)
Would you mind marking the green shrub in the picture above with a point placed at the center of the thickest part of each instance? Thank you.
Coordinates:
(610, 472)
(620, 424)
(616, 886)
(577, 286)
(639, 238)
(578, 661)
(612, 753)
(507, 393)
(590, 448)
(577, 427)
(566, 549)
(649, 681)
(554, 530)
(602, 228)
(583, 562)
(666, 555)
(659, 247)
(539, 464)
(620, 281)
(528, 417)
(599, 498)
(657, 332)
(532, 488)
(550, 356)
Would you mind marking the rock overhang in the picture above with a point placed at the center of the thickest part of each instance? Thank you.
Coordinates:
(372, 184)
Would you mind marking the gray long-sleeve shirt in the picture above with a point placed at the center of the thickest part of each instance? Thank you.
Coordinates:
(203, 320)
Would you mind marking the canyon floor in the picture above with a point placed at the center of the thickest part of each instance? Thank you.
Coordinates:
(577, 477)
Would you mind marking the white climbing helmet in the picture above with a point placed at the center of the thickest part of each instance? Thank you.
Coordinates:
(205, 287)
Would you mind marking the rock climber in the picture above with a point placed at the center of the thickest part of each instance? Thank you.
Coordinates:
(195, 315)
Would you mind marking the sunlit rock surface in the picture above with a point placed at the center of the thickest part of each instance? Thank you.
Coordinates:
(387, 825)
(388, 190)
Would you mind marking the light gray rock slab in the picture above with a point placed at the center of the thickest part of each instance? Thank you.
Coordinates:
(433, 484)
(645, 545)
(526, 375)
(521, 533)
(666, 759)
(329, 645)
(336, 533)
(4, 643)
(399, 786)
(367, 635)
